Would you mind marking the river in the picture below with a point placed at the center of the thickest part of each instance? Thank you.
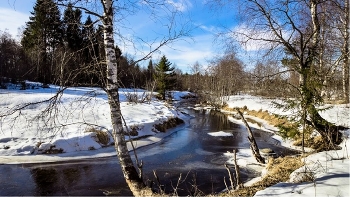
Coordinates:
(191, 152)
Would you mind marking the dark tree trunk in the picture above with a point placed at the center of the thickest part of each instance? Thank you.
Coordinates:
(253, 145)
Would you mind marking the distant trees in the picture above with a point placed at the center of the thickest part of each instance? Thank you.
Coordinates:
(164, 76)
(269, 78)
(223, 77)
(65, 51)
(12, 60)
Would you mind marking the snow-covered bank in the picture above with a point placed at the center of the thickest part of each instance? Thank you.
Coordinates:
(327, 174)
(338, 114)
(67, 130)
(329, 171)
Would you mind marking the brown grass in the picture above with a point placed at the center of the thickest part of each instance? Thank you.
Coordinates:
(278, 171)
(102, 136)
(265, 115)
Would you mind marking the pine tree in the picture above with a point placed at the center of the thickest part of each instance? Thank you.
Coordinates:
(164, 76)
(42, 37)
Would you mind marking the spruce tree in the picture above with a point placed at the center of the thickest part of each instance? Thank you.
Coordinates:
(88, 32)
(73, 31)
(42, 37)
(164, 76)
(150, 70)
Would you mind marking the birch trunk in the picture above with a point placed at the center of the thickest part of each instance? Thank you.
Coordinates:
(131, 176)
(345, 51)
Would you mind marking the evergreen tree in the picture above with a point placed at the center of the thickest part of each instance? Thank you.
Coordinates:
(42, 37)
(88, 34)
(73, 31)
(164, 76)
(150, 71)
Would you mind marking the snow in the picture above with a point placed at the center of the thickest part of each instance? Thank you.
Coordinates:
(329, 173)
(24, 137)
(329, 170)
(220, 134)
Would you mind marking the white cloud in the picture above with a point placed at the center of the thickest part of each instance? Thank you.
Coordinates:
(180, 5)
(257, 39)
(252, 39)
(12, 20)
(184, 52)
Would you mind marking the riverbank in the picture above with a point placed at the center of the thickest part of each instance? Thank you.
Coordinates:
(322, 174)
(70, 125)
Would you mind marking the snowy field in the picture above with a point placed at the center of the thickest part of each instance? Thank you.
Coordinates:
(24, 136)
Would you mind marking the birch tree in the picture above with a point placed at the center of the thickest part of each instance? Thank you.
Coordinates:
(131, 175)
(345, 28)
(108, 9)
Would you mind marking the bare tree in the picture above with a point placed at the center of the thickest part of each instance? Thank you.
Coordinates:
(344, 18)
(292, 28)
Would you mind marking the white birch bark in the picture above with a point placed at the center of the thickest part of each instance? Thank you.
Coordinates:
(131, 176)
(345, 51)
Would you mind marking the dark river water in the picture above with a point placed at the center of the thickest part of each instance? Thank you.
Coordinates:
(190, 151)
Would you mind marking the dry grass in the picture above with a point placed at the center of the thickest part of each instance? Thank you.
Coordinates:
(278, 171)
(315, 143)
(102, 136)
(336, 102)
(264, 115)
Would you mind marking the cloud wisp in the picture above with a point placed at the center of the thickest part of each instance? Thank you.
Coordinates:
(11, 20)
(180, 5)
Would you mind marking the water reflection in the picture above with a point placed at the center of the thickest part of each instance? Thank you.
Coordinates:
(46, 181)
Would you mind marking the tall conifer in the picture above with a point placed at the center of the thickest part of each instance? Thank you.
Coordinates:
(164, 76)
(42, 37)
(73, 29)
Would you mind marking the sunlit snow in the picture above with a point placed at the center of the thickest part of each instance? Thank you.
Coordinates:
(23, 135)
(220, 134)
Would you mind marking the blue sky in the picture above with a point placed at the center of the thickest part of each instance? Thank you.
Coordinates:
(202, 19)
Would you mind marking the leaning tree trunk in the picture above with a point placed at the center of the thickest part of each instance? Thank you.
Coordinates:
(253, 145)
(131, 176)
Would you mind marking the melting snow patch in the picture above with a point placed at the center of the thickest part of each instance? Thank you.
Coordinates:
(220, 134)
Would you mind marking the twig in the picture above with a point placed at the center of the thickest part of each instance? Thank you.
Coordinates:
(230, 176)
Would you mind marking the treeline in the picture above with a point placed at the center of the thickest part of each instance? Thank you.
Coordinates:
(63, 50)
